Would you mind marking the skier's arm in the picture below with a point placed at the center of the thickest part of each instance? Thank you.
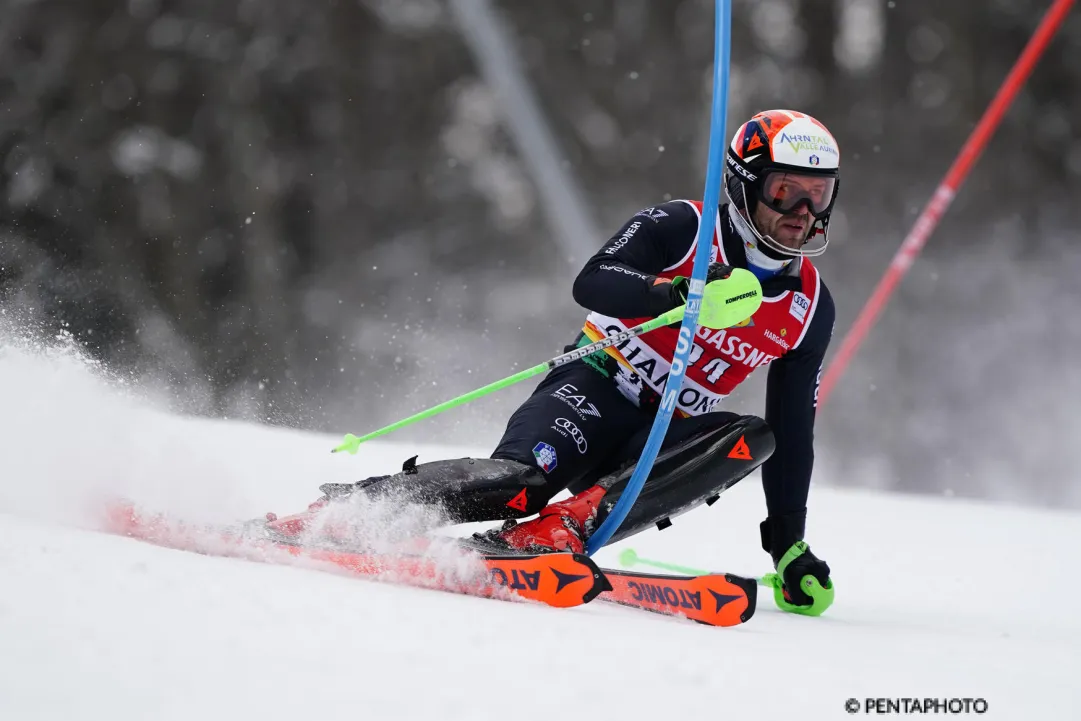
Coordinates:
(791, 404)
(620, 280)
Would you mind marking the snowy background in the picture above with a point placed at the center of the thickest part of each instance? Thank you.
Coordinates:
(935, 598)
(328, 215)
(231, 231)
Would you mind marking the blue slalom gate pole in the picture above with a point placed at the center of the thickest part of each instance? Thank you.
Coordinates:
(710, 200)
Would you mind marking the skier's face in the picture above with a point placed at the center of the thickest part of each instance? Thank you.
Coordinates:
(788, 229)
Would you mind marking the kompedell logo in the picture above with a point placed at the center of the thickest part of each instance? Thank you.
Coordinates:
(748, 294)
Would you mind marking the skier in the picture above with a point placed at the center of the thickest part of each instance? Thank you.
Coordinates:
(586, 423)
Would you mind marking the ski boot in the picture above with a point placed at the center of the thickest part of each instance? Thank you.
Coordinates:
(562, 526)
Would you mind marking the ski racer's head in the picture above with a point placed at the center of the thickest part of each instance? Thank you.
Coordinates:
(781, 179)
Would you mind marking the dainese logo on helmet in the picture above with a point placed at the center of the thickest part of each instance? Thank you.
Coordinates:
(741, 170)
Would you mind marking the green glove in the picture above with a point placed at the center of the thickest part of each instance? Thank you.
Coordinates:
(798, 585)
(802, 583)
(731, 296)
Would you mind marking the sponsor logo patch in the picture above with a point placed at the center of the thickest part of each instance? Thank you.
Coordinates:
(654, 214)
(519, 502)
(665, 595)
(546, 457)
(567, 428)
(569, 394)
(741, 451)
(800, 305)
(738, 167)
(748, 294)
(624, 271)
(777, 339)
(807, 142)
(623, 238)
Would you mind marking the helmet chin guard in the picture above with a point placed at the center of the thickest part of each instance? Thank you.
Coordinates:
(812, 247)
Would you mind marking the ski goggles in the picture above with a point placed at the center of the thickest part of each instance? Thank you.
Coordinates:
(785, 191)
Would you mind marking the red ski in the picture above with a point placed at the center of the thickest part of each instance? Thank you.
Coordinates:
(715, 599)
(556, 579)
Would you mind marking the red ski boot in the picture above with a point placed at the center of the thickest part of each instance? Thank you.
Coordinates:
(562, 526)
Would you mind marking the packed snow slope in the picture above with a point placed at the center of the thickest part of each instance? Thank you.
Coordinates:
(935, 598)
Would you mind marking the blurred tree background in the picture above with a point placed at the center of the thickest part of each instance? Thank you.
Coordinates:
(332, 214)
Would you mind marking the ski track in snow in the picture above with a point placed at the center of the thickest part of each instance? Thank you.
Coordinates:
(935, 597)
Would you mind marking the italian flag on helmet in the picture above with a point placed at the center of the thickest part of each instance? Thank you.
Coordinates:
(785, 160)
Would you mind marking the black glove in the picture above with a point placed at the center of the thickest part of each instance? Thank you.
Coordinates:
(681, 285)
(803, 564)
(782, 538)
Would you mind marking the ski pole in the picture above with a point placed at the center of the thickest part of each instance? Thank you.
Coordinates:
(628, 557)
(743, 297)
(936, 207)
(681, 359)
(351, 442)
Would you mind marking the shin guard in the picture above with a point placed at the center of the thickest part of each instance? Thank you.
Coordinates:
(465, 489)
(690, 473)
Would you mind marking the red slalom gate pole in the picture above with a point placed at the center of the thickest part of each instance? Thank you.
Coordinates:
(943, 196)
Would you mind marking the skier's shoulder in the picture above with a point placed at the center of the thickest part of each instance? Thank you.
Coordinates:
(811, 303)
(672, 217)
(822, 310)
(814, 283)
